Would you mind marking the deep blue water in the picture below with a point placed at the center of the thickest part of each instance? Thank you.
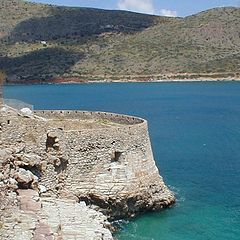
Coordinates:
(195, 133)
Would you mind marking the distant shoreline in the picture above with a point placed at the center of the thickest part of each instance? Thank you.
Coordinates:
(154, 81)
(134, 78)
(125, 81)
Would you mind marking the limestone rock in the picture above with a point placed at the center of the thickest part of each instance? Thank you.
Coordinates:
(42, 189)
(5, 154)
(29, 159)
(12, 184)
(24, 176)
(26, 112)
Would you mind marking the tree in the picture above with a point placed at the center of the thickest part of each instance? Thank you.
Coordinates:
(2, 80)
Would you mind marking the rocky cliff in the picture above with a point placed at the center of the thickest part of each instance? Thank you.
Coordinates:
(73, 161)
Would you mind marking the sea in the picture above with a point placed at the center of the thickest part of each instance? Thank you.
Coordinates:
(195, 134)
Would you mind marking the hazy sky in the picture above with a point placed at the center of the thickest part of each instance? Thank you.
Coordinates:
(158, 7)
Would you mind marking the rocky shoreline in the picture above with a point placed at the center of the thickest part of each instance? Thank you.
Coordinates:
(55, 187)
(161, 78)
(152, 81)
(128, 81)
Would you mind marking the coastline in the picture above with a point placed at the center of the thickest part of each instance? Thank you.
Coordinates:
(79, 81)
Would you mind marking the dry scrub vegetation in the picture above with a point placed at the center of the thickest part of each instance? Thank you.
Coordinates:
(44, 42)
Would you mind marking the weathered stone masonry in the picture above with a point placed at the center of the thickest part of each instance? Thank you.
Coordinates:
(101, 158)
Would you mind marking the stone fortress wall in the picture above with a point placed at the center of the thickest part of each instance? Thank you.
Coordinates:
(110, 165)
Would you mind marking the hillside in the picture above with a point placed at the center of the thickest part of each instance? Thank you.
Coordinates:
(49, 43)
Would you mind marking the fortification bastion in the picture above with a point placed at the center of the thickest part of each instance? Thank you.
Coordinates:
(103, 159)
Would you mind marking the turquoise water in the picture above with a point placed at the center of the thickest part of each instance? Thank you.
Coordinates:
(195, 133)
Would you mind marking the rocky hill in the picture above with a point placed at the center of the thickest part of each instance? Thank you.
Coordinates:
(50, 43)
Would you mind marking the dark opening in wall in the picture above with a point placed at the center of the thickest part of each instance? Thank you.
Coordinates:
(24, 185)
(34, 170)
(62, 166)
(52, 142)
(116, 156)
(8, 122)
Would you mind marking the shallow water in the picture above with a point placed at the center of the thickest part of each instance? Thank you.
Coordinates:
(195, 133)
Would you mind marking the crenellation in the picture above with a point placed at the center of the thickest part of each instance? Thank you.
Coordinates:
(85, 115)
